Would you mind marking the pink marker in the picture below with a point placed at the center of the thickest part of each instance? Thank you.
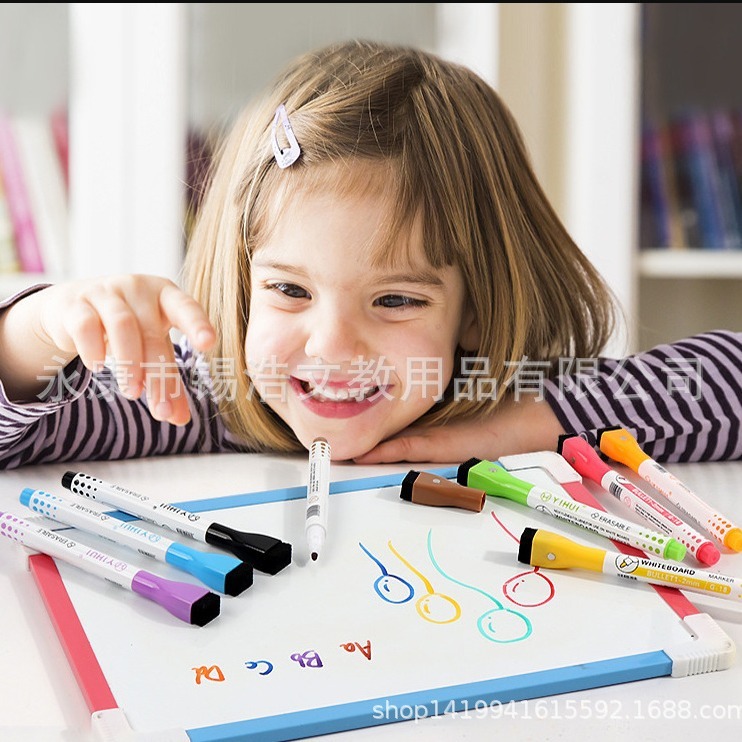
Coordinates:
(585, 460)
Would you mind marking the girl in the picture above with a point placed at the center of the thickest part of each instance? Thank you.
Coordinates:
(373, 251)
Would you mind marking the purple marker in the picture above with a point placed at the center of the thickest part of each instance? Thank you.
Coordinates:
(190, 603)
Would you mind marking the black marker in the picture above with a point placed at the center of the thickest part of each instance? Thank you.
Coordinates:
(264, 553)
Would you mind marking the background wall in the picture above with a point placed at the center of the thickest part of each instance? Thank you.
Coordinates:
(135, 76)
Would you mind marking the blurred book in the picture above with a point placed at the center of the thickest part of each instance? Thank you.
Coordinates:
(661, 218)
(730, 199)
(60, 130)
(699, 192)
(24, 230)
(655, 210)
(8, 256)
(46, 189)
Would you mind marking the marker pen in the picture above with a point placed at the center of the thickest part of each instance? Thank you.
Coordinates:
(545, 549)
(221, 572)
(190, 603)
(318, 495)
(621, 446)
(495, 480)
(586, 461)
(264, 553)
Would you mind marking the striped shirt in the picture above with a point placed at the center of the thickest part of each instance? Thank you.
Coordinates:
(682, 402)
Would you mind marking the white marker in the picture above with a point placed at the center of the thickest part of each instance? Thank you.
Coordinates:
(265, 553)
(318, 494)
(222, 572)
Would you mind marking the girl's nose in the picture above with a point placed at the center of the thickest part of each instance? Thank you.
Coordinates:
(335, 337)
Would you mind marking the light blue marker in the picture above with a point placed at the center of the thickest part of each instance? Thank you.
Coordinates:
(222, 572)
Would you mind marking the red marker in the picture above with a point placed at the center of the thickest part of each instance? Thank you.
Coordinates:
(585, 460)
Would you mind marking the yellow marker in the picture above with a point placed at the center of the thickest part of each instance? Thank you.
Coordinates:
(619, 445)
(541, 548)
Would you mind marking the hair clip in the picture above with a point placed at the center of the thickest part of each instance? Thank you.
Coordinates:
(289, 155)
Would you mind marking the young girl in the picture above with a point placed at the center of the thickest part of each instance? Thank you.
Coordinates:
(373, 252)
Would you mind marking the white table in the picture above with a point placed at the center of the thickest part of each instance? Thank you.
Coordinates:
(40, 700)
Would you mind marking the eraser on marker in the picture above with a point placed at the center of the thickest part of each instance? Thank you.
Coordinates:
(462, 473)
(264, 553)
(238, 580)
(525, 545)
(205, 609)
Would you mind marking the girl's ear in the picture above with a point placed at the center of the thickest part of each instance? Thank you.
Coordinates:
(469, 334)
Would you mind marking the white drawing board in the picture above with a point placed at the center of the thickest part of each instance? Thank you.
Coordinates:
(408, 606)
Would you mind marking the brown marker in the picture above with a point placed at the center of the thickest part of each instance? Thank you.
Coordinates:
(430, 489)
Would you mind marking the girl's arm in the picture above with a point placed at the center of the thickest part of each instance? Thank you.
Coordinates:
(84, 416)
(682, 401)
(516, 426)
(128, 318)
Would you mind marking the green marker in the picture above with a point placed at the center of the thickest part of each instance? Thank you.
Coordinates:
(496, 481)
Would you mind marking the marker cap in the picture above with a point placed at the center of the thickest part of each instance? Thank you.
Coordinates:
(190, 603)
(26, 495)
(541, 548)
(221, 572)
(429, 489)
(733, 539)
(583, 457)
(619, 445)
(674, 550)
(708, 554)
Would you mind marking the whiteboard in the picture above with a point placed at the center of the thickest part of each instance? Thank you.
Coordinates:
(410, 610)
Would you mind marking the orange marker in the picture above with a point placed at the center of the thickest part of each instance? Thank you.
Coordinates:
(621, 446)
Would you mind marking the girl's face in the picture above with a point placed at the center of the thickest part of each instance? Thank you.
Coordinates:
(338, 347)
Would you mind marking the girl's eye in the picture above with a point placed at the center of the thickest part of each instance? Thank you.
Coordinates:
(291, 290)
(399, 301)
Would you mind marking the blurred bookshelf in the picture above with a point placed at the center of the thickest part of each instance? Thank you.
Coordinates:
(690, 216)
(91, 170)
(144, 87)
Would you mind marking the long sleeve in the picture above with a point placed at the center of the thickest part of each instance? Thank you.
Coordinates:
(682, 401)
(83, 415)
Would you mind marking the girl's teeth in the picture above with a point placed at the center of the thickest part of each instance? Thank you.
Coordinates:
(339, 395)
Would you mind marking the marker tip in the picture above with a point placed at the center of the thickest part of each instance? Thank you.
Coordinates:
(314, 556)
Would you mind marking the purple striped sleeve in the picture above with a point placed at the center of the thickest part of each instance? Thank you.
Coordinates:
(84, 416)
(682, 401)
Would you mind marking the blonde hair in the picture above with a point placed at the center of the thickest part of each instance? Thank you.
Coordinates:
(455, 157)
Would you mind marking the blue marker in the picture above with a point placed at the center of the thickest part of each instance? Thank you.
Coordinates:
(222, 572)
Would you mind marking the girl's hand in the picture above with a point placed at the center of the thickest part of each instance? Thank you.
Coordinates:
(513, 427)
(128, 318)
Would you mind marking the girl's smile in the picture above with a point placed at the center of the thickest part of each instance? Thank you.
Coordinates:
(338, 346)
(336, 399)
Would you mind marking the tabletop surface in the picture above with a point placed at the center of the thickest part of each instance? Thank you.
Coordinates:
(40, 700)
